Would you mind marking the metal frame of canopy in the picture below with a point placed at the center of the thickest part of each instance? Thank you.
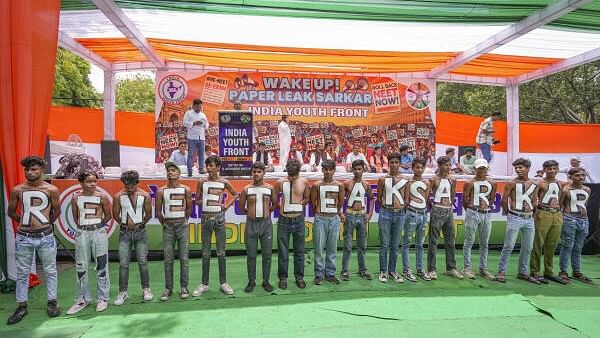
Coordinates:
(538, 19)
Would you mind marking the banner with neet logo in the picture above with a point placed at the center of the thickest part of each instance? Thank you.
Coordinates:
(345, 110)
(235, 219)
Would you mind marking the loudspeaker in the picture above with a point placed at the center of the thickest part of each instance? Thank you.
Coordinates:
(111, 156)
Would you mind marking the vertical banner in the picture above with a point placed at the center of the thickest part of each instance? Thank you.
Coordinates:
(235, 142)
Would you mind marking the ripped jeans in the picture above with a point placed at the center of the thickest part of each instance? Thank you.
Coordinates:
(92, 244)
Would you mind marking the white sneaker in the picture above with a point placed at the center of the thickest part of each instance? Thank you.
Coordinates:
(397, 278)
(383, 277)
(227, 289)
(147, 294)
(121, 297)
(79, 305)
(200, 290)
(101, 305)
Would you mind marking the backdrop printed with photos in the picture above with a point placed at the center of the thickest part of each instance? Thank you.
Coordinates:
(322, 109)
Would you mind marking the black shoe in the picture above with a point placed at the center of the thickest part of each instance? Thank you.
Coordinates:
(53, 310)
(332, 280)
(366, 275)
(19, 314)
(282, 283)
(345, 276)
(300, 283)
(267, 286)
(250, 287)
(318, 280)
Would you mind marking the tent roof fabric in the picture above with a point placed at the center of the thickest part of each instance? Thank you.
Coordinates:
(381, 36)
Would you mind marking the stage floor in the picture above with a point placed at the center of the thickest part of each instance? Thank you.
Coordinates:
(359, 308)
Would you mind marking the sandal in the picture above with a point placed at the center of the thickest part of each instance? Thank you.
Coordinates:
(528, 278)
(501, 279)
(564, 277)
(582, 278)
(557, 279)
(541, 279)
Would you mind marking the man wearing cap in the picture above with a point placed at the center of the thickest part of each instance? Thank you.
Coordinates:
(196, 123)
(173, 207)
(576, 163)
(478, 198)
(485, 136)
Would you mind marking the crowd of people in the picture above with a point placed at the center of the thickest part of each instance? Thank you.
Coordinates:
(543, 211)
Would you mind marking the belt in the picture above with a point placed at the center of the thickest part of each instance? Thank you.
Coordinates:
(575, 217)
(481, 211)
(91, 227)
(441, 206)
(327, 215)
(281, 216)
(417, 211)
(393, 209)
(211, 217)
(355, 212)
(520, 214)
(141, 227)
(549, 209)
(42, 233)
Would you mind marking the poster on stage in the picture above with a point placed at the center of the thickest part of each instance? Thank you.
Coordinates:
(235, 142)
(342, 110)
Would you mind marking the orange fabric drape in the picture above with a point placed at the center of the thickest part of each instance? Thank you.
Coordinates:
(131, 128)
(28, 40)
(460, 129)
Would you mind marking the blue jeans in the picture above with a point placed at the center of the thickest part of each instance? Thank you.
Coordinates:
(514, 225)
(193, 146)
(92, 244)
(355, 222)
(390, 226)
(477, 222)
(129, 239)
(326, 232)
(287, 226)
(572, 238)
(25, 250)
(486, 151)
(415, 224)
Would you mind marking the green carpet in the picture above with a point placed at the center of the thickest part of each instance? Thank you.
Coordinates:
(359, 308)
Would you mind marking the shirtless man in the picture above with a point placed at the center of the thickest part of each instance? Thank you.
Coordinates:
(574, 198)
(478, 198)
(417, 193)
(519, 199)
(357, 217)
(91, 211)
(209, 194)
(443, 187)
(295, 195)
(391, 196)
(132, 209)
(327, 197)
(257, 201)
(548, 224)
(173, 208)
(39, 206)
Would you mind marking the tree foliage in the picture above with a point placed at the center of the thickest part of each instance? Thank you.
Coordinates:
(572, 96)
(136, 93)
(72, 86)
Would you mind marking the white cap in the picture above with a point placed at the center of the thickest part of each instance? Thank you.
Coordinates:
(481, 162)
(577, 158)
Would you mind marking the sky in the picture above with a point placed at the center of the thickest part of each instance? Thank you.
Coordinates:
(97, 76)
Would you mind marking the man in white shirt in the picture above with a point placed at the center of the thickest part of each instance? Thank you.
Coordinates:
(356, 155)
(285, 140)
(263, 156)
(485, 135)
(196, 123)
(179, 155)
(576, 163)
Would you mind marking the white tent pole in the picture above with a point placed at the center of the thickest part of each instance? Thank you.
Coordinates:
(512, 126)
(109, 105)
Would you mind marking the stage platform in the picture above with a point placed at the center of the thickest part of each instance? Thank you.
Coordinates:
(358, 308)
